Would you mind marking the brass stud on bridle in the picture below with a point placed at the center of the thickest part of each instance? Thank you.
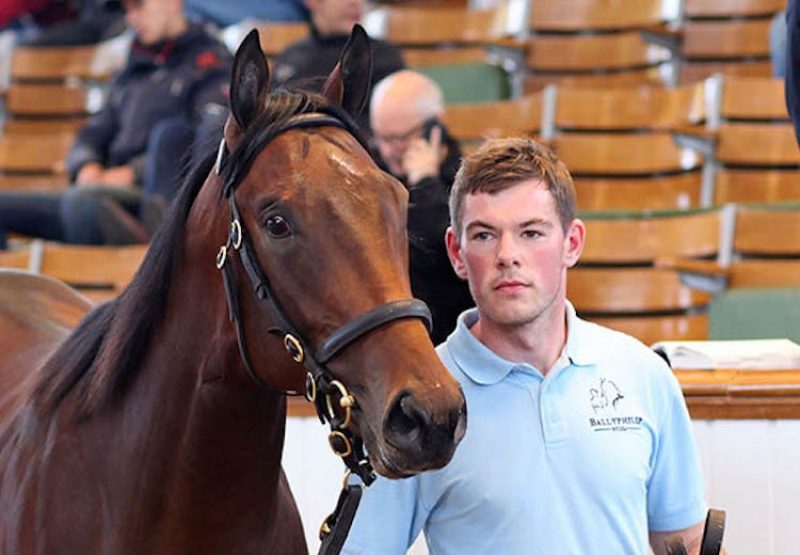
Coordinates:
(294, 348)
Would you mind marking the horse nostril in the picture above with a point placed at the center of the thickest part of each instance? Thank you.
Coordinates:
(405, 421)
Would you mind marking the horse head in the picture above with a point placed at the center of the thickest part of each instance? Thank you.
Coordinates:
(316, 266)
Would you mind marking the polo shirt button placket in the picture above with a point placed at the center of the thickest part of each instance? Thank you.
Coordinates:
(553, 424)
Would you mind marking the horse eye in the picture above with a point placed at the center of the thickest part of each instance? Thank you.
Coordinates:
(278, 227)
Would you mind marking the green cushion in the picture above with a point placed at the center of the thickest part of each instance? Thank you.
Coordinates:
(475, 82)
(642, 214)
(755, 313)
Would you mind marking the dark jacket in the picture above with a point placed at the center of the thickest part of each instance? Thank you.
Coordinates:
(792, 81)
(306, 63)
(432, 276)
(187, 76)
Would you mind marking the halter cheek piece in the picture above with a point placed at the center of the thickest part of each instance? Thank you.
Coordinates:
(331, 398)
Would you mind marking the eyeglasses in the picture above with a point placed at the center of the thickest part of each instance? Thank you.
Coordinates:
(399, 138)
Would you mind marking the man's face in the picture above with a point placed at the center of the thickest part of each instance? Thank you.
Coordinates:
(395, 125)
(152, 20)
(335, 17)
(514, 253)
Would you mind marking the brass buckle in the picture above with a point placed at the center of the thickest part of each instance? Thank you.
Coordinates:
(346, 446)
(346, 402)
(294, 348)
(311, 388)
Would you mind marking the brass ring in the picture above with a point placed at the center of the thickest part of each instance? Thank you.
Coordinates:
(311, 388)
(294, 348)
(236, 234)
(335, 434)
(346, 401)
(222, 256)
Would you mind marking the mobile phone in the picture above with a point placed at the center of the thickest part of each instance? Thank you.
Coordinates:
(430, 125)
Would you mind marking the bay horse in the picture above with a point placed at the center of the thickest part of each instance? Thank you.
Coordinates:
(157, 426)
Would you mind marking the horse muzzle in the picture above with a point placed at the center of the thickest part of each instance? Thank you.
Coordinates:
(421, 437)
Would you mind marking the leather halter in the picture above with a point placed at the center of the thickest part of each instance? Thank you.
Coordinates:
(331, 398)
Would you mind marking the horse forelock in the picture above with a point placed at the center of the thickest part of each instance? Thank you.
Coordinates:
(282, 105)
(99, 359)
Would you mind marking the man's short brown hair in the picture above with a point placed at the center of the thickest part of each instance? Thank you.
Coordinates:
(503, 163)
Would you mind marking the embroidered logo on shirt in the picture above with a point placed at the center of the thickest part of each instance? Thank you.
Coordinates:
(605, 400)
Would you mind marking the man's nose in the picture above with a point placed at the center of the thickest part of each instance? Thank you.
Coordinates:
(506, 250)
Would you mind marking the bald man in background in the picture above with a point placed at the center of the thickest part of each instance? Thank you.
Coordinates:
(405, 116)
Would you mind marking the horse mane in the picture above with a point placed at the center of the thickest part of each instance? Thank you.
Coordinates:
(101, 357)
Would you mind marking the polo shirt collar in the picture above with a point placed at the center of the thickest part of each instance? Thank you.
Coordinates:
(485, 367)
(580, 348)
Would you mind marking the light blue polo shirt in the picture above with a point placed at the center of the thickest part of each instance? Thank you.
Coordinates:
(583, 461)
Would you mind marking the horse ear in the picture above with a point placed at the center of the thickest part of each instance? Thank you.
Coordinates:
(348, 83)
(249, 80)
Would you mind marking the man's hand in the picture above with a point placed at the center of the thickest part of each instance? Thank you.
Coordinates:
(94, 174)
(89, 174)
(120, 176)
(423, 158)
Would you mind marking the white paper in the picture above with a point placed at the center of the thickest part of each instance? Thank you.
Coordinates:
(754, 354)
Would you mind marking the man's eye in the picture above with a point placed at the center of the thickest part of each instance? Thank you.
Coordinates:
(531, 234)
(278, 227)
(481, 236)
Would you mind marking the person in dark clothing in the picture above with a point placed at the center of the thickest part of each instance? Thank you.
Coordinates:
(126, 160)
(307, 62)
(792, 80)
(62, 22)
(416, 148)
(231, 12)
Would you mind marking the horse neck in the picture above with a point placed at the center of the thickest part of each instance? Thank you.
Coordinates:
(229, 431)
(190, 455)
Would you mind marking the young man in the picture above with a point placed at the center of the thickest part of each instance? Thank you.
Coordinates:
(578, 441)
(174, 84)
(410, 138)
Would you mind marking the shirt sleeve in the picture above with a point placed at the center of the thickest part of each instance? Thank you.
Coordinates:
(675, 497)
(389, 518)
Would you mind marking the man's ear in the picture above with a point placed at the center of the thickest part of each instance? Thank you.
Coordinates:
(454, 253)
(348, 83)
(249, 81)
(574, 241)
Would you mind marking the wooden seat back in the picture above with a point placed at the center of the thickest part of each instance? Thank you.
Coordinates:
(471, 122)
(98, 272)
(629, 154)
(767, 230)
(429, 26)
(644, 238)
(631, 108)
(595, 15)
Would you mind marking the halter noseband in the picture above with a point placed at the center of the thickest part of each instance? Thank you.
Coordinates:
(331, 398)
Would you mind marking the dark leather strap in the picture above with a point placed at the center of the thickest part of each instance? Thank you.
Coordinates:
(340, 520)
(375, 318)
